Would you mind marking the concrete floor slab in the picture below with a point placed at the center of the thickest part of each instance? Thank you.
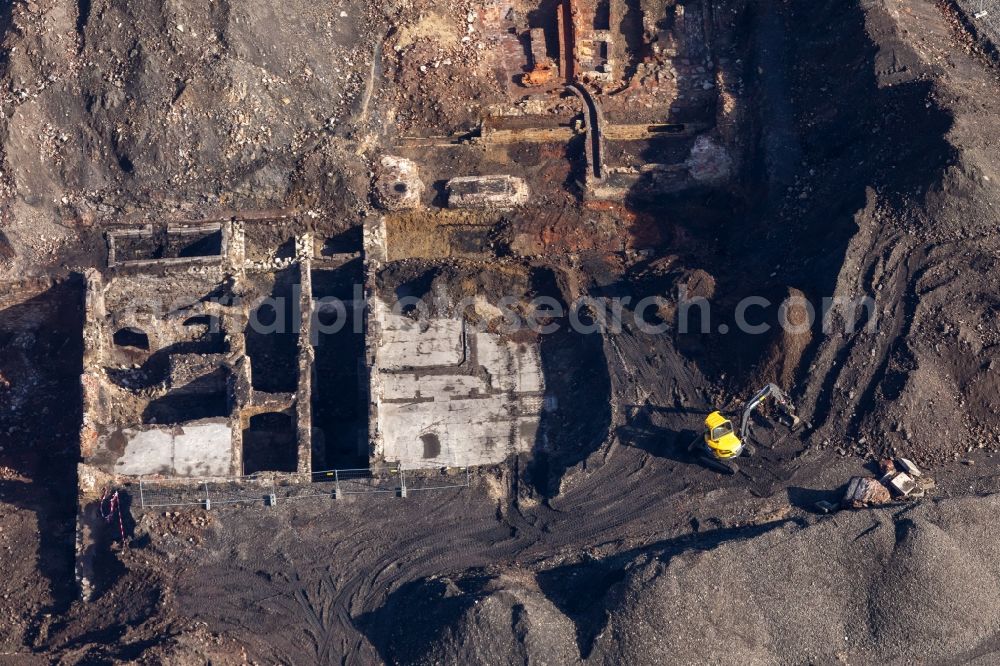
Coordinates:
(448, 397)
(407, 343)
(407, 387)
(197, 449)
(521, 363)
(454, 433)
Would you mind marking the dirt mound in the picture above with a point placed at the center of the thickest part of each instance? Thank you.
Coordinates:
(507, 621)
(794, 334)
(862, 587)
(912, 243)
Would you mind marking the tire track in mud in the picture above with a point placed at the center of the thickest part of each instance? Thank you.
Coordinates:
(855, 365)
(619, 494)
(310, 598)
(905, 300)
(319, 589)
(389, 566)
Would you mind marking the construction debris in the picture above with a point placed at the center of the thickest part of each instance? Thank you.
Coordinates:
(866, 491)
(903, 484)
(863, 492)
(910, 467)
(910, 483)
(825, 506)
(543, 68)
(495, 192)
(709, 162)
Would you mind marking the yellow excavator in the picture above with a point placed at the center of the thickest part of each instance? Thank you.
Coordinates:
(719, 446)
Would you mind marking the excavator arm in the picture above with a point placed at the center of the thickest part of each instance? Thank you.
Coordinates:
(769, 391)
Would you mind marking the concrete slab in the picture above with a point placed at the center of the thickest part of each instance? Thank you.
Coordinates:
(910, 467)
(903, 484)
(447, 397)
(408, 387)
(455, 433)
(513, 366)
(406, 343)
(498, 192)
(203, 450)
(194, 449)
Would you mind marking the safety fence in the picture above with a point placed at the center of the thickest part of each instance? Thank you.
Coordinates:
(270, 489)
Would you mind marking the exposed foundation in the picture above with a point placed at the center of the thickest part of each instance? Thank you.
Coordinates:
(197, 363)
(180, 360)
(596, 84)
(212, 353)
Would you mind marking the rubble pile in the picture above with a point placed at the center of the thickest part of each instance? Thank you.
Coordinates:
(901, 480)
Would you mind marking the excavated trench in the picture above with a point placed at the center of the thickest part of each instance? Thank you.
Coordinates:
(575, 370)
(340, 382)
(272, 335)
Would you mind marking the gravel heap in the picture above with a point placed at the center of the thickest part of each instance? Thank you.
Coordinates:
(918, 583)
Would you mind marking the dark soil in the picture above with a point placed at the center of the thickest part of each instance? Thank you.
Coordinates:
(869, 172)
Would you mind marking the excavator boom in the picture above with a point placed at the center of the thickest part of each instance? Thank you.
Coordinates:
(769, 391)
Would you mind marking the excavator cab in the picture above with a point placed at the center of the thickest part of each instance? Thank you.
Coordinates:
(720, 438)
